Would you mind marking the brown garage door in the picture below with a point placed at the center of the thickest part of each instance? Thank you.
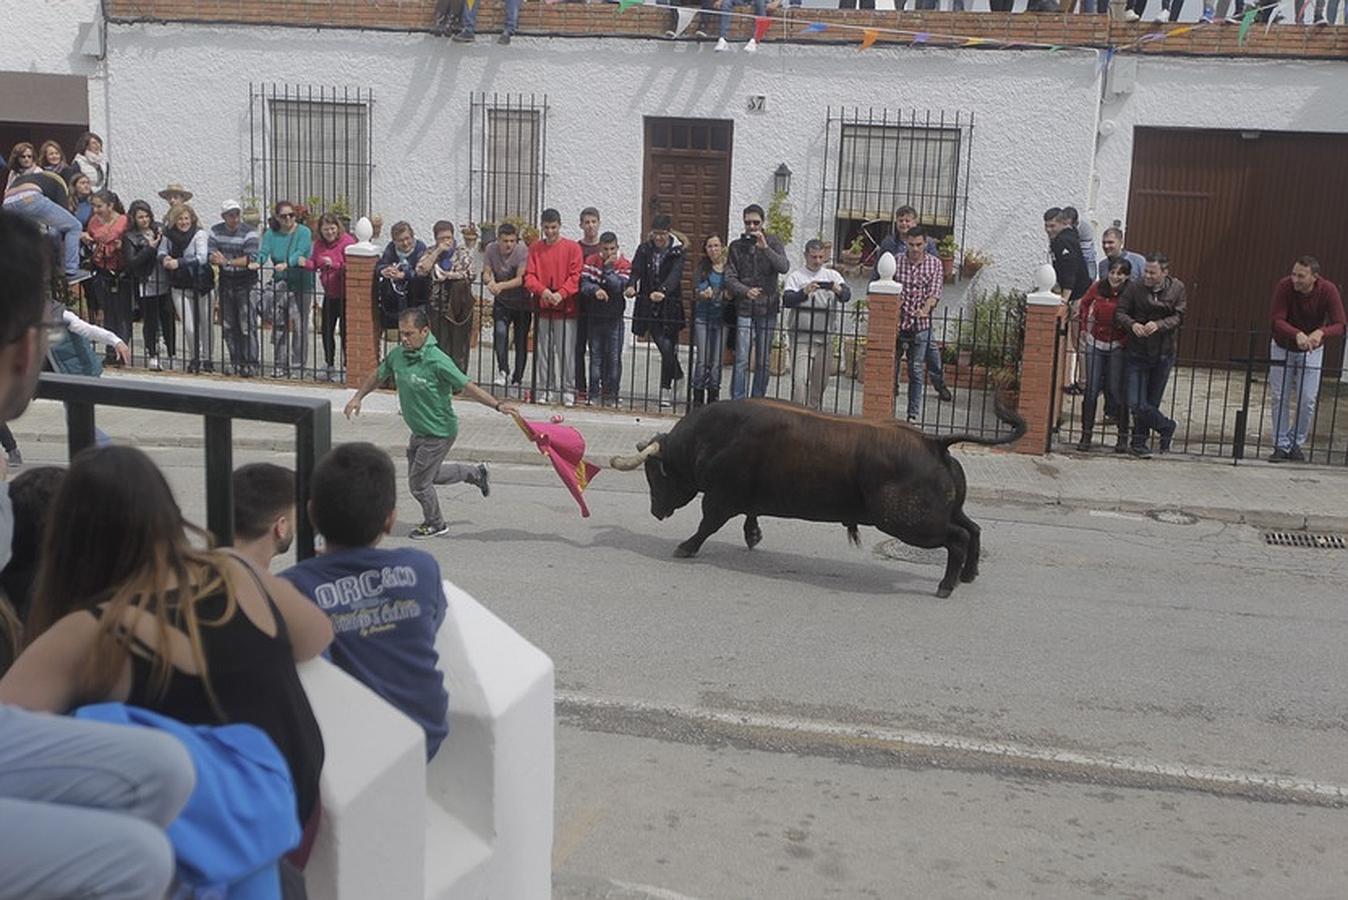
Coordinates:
(1232, 210)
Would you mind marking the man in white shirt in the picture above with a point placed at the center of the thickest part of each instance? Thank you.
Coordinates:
(815, 295)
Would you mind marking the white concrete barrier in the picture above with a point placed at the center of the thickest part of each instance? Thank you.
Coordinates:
(474, 824)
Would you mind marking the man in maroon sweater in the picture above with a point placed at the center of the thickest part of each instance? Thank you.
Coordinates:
(1306, 310)
(552, 277)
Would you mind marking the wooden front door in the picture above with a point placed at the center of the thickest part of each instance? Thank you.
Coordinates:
(1233, 210)
(687, 175)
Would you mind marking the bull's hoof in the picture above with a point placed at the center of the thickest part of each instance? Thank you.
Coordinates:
(752, 536)
(944, 591)
(967, 577)
(683, 551)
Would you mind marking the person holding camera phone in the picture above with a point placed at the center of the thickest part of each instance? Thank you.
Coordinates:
(140, 247)
(755, 260)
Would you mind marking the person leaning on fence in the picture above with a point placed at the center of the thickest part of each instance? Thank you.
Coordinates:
(1104, 342)
(83, 805)
(329, 260)
(448, 265)
(815, 294)
(1151, 313)
(1074, 278)
(354, 506)
(905, 219)
(427, 380)
(603, 281)
(233, 245)
(183, 252)
(709, 310)
(657, 286)
(1307, 308)
(398, 286)
(145, 268)
(107, 226)
(552, 277)
(922, 277)
(286, 247)
(754, 263)
(44, 199)
(503, 264)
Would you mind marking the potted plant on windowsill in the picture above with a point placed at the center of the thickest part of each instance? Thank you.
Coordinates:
(851, 257)
(946, 248)
(973, 262)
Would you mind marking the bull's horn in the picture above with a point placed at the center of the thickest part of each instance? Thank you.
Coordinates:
(628, 463)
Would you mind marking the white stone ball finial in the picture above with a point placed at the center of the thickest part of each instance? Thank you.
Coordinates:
(885, 267)
(1045, 278)
(363, 231)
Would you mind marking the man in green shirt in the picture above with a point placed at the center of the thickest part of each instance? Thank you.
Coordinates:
(427, 380)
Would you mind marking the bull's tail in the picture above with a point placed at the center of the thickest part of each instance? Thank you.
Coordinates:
(1004, 414)
(853, 536)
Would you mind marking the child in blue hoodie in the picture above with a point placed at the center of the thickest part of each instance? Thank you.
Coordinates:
(385, 605)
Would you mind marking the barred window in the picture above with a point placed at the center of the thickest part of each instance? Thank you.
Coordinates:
(878, 160)
(315, 147)
(882, 167)
(507, 151)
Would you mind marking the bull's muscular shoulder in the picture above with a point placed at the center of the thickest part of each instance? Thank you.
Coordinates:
(814, 427)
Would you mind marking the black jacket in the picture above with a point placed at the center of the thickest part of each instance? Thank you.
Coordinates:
(667, 279)
(1069, 265)
(748, 267)
(1139, 305)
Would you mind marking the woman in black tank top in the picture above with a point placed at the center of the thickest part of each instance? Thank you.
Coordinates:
(144, 617)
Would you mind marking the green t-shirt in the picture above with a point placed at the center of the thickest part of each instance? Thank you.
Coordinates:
(427, 380)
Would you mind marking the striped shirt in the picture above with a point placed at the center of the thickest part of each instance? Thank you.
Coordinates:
(921, 281)
(241, 242)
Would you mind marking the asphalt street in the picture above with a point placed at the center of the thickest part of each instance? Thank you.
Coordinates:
(1119, 706)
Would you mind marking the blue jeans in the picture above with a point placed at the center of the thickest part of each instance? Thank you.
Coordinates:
(605, 340)
(35, 207)
(759, 330)
(1299, 374)
(1104, 373)
(1147, 378)
(914, 345)
(512, 16)
(707, 344)
(760, 9)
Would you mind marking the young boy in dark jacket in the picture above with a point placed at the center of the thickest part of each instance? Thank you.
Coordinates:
(603, 280)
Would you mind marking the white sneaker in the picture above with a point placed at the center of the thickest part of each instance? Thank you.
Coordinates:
(500, 379)
(153, 364)
(751, 47)
(568, 400)
(666, 398)
(722, 45)
(1131, 16)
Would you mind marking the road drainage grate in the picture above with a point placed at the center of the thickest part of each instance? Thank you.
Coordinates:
(1305, 539)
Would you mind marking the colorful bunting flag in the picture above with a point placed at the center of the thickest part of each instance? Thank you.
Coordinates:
(921, 37)
(1055, 48)
(1246, 23)
(974, 42)
(1154, 36)
(814, 28)
(761, 26)
(625, 5)
(1181, 30)
(685, 18)
(1103, 65)
(868, 37)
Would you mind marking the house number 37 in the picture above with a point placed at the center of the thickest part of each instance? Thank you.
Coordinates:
(758, 103)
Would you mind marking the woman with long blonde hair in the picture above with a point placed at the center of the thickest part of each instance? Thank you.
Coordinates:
(143, 616)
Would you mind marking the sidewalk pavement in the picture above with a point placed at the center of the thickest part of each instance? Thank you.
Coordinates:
(1286, 496)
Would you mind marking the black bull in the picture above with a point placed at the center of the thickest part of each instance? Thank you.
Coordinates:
(769, 458)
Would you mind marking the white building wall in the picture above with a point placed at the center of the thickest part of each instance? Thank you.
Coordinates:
(177, 109)
(1034, 117)
(53, 37)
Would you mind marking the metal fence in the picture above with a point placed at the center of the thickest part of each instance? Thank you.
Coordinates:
(507, 154)
(1224, 405)
(260, 328)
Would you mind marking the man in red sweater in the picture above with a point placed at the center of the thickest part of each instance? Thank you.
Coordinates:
(552, 278)
(1306, 310)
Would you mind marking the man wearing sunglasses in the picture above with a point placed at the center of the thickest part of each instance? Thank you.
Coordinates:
(755, 263)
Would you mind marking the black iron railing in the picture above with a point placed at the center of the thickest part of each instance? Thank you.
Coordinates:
(218, 410)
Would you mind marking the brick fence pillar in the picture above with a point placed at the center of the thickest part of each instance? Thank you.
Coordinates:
(362, 317)
(1041, 374)
(882, 333)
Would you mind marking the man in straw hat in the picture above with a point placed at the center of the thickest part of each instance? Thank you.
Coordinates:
(175, 193)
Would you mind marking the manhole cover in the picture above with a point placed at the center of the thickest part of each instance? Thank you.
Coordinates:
(1305, 539)
(936, 556)
(1172, 516)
